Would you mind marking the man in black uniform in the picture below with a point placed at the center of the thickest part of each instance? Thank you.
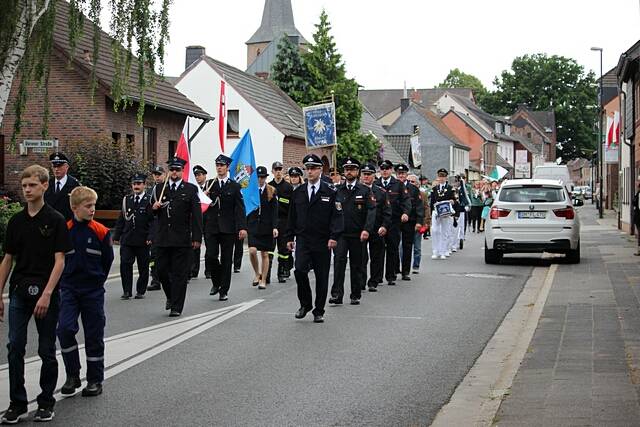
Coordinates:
(284, 190)
(158, 179)
(225, 222)
(200, 174)
(177, 206)
(398, 197)
(134, 234)
(416, 219)
(315, 222)
(381, 225)
(60, 185)
(359, 216)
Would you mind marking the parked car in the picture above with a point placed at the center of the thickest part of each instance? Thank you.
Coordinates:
(532, 215)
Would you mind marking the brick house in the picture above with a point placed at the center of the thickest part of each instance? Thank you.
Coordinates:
(74, 116)
(484, 148)
(537, 126)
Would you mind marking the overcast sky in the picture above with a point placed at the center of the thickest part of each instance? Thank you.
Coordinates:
(386, 42)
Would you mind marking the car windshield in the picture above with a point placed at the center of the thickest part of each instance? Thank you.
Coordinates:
(531, 193)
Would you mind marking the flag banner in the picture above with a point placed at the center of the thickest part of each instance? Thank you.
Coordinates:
(222, 116)
(497, 173)
(182, 152)
(320, 125)
(610, 130)
(616, 128)
(416, 156)
(243, 171)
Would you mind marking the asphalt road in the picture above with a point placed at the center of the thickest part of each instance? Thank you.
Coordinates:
(393, 360)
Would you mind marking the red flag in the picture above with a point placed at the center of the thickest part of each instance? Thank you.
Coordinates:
(610, 130)
(616, 130)
(222, 116)
(182, 152)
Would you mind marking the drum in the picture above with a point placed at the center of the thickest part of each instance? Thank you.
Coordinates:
(444, 209)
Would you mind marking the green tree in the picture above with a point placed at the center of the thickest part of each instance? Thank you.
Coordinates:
(460, 79)
(551, 83)
(26, 40)
(288, 71)
(327, 76)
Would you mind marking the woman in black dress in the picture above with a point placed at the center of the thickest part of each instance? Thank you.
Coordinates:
(263, 229)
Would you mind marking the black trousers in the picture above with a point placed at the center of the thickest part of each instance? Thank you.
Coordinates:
(285, 258)
(375, 254)
(238, 252)
(195, 262)
(219, 258)
(391, 243)
(353, 247)
(129, 255)
(320, 260)
(408, 233)
(153, 263)
(173, 269)
(476, 215)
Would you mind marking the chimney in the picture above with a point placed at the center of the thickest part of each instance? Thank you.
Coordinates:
(193, 54)
(404, 102)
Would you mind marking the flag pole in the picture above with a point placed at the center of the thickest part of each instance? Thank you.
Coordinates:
(335, 146)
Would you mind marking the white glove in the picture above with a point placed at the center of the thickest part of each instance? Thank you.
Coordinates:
(467, 208)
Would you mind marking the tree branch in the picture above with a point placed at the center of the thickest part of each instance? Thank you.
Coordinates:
(44, 9)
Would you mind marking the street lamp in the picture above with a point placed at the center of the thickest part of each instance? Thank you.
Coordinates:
(600, 139)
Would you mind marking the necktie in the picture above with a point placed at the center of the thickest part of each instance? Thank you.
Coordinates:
(58, 187)
(386, 184)
(137, 201)
(173, 186)
(313, 192)
(350, 187)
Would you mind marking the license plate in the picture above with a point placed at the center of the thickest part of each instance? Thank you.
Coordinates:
(532, 215)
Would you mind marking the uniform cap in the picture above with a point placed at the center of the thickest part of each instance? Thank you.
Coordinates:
(443, 171)
(368, 168)
(350, 162)
(223, 160)
(386, 164)
(401, 167)
(277, 165)
(58, 158)
(262, 171)
(139, 177)
(199, 169)
(176, 162)
(157, 170)
(312, 160)
(294, 170)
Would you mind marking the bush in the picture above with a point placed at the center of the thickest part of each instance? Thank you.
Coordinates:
(7, 210)
(106, 166)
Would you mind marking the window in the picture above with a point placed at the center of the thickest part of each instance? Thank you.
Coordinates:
(131, 139)
(507, 129)
(115, 137)
(173, 146)
(233, 123)
(629, 117)
(528, 135)
(531, 194)
(498, 127)
(149, 148)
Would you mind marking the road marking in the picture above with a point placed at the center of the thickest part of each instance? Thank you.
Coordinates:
(364, 316)
(129, 349)
(477, 398)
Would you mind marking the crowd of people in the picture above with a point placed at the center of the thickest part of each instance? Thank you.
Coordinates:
(59, 256)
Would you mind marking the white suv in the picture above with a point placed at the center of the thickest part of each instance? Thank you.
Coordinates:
(532, 215)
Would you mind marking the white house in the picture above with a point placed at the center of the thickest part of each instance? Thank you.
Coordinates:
(274, 120)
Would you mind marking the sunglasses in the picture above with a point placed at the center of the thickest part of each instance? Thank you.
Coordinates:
(175, 169)
(277, 169)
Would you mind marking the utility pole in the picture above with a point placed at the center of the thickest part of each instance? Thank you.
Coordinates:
(601, 137)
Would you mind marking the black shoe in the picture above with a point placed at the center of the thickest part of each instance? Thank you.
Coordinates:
(373, 289)
(335, 300)
(174, 313)
(70, 387)
(406, 278)
(14, 414)
(139, 296)
(207, 275)
(214, 290)
(391, 283)
(236, 270)
(154, 286)
(355, 301)
(167, 305)
(223, 297)
(318, 318)
(282, 279)
(92, 389)
(44, 414)
(125, 296)
(301, 313)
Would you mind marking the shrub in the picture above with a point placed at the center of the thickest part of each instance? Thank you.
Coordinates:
(7, 210)
(106, 166)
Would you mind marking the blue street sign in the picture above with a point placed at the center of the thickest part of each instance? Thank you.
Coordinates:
(320, 125)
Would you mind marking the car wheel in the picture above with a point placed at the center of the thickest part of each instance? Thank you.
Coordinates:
(573, 255)
(491, 256)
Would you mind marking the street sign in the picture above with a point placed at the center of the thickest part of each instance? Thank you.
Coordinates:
(38, 143)
(320, 125)
(39, 150)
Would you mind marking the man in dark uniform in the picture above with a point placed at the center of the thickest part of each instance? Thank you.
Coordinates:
(315, 222)
(134, 234)
(60, 185)
(398, 197)
(359, 216)
(158, 179)
(225, 222)
(376, 239)
(284, 190)
(416, 219)
(200, 174)
(177, 207)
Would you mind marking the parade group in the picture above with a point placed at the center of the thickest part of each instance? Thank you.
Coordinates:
(61, 256)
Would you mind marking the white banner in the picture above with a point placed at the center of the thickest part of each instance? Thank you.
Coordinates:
(521, 156)
(522, 170)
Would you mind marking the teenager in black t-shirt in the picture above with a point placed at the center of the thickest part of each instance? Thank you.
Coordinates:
(36, 239)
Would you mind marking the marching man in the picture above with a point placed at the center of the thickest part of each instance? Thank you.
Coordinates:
(441, 204)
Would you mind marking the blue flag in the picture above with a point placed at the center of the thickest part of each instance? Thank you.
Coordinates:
(243, 171)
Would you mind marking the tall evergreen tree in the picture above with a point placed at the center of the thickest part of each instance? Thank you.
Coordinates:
(288, 71)
(327, 76)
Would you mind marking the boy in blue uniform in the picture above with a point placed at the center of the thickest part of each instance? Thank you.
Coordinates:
(82, 293)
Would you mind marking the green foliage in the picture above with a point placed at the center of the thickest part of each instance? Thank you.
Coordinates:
(288, 72)
(326, 76)
(551, 83)
(460, 79)
(105, 166)
(7, 210)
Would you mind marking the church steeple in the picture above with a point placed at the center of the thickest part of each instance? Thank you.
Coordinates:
(277, 19)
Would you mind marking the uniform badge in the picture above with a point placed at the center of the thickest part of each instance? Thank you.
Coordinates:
(33, 290)
(89, 240)
(338, 206)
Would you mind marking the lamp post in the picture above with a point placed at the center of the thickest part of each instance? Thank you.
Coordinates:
(601, 137)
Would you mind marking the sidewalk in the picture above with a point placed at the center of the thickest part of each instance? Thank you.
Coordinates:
(581, 368)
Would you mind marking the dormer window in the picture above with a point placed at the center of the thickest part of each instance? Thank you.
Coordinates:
(498, 127)
(507, 129)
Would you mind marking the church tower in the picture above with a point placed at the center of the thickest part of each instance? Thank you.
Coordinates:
(277, 20)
